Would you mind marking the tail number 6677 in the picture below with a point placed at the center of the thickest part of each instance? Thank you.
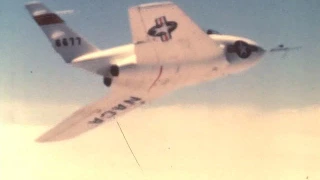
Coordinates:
(72, 41)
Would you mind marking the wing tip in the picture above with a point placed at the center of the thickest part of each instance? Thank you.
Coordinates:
(50, 136)
(32, 3)
(42, 139)
(153, 4)
(47, 137)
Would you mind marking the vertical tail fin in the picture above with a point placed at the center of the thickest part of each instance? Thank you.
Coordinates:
(64, 40)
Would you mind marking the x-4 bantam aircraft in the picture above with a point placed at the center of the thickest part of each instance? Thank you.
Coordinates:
(169, 51)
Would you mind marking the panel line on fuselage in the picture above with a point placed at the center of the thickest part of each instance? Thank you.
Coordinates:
(158, 77)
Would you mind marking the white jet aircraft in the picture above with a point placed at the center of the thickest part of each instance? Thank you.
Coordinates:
(169, 51)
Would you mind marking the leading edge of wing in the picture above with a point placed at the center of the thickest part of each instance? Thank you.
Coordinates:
(91, 116)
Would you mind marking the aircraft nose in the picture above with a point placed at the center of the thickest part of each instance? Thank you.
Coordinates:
(261, 51)
(258, 50)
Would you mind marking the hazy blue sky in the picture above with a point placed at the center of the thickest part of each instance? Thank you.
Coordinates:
(261, 124)
(31, 72)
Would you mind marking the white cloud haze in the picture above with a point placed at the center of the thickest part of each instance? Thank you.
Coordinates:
(175, 142)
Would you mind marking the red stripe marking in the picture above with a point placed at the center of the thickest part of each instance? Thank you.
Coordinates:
(158, 77)
(164, 19)
(47, 19)
(162, 38)
(166, 37)
(161, 20)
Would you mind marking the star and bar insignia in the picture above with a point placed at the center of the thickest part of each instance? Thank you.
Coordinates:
(163, 28)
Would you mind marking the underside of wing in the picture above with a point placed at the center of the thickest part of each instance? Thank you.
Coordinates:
(165, 31)
(91, 116)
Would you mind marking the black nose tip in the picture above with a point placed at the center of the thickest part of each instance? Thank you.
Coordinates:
(261, 50)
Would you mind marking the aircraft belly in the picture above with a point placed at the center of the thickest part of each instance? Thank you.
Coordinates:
(191, 74)
(138, 78)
